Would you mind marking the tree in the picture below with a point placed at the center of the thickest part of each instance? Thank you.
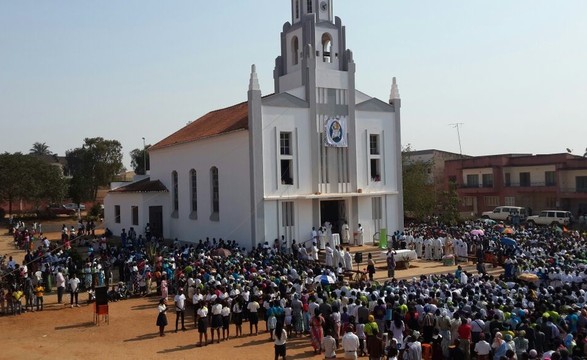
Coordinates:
(449, 203)
(26, 177)
(40, 149)
(419, 194)
(93, 165)
(138, 157)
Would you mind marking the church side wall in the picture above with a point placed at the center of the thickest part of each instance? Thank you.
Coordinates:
(126, 201)
(229, 153)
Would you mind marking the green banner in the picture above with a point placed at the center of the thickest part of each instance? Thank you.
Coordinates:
(383, 239)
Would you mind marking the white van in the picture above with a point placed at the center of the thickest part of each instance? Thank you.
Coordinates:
(551, 217)
(502, 213)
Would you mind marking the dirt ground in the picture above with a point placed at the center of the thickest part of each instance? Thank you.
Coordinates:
(70, 333)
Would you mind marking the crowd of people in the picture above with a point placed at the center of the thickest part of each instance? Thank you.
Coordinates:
(536, 309)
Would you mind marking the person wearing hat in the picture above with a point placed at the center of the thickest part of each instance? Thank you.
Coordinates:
(374, 345)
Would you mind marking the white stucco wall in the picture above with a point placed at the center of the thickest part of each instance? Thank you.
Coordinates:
(126, 202)
(294, 120)
(230, 154)
(382, 124)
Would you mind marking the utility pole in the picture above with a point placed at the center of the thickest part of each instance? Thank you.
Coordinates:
(457, 126)
(144, 158)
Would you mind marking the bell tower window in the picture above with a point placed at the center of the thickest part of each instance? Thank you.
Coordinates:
(326, 48)
(295, 48)
(309, 6)
(297, 9)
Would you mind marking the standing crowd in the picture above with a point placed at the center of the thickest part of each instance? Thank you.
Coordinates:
(536, 309)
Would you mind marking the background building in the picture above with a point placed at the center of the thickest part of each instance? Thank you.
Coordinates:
(538, 182)
(317, 150)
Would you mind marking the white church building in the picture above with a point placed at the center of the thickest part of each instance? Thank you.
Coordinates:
(316, 150)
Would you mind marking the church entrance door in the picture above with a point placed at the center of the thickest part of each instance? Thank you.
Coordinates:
(156, 220)
(333, 211)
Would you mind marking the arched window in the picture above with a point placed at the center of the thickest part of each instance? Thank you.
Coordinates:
(295, 49)
(194, 191)
(175, 188)
(215, 192)
(297, 9)
(326, 48)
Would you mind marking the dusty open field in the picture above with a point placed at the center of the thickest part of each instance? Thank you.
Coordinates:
(62, 332)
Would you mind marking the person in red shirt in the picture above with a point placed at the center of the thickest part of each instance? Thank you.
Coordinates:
(465, 338)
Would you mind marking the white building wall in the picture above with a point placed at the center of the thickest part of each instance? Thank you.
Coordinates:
(126, 202)
(331, 78)
(230, 154)
(382, 124)
(294, 120)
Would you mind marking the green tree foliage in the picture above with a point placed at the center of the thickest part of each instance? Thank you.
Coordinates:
(449, 203)
(40, 149)
(93, 165)
(419, 194)
(138, 157)
(26, 177)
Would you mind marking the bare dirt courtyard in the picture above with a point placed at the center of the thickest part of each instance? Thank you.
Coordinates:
(61, 332)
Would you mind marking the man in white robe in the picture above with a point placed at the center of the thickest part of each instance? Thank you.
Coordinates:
(348, 260)
(329, 256)
(345, 233)
(360, 233)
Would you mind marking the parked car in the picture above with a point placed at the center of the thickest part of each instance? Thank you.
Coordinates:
(57, 209)
(74, 206)
(502, 213)
(551, 217)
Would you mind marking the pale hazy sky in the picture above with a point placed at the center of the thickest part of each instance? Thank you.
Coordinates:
(513, 72)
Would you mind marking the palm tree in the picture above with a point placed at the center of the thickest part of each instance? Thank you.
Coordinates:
(40, 149)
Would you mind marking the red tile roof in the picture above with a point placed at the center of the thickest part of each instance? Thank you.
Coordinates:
(214, 123)
(145, 185)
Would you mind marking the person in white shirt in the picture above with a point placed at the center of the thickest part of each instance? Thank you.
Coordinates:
(280, 339)
(350, 344)
(216, 320)
(329, 346)
(483, 348)
(253, 308)
(180, 309)
(60, 283)
(73, 289)
(225, 312)
(237, 316)
(202, 319)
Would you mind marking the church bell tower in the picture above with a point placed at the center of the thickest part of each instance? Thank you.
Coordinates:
(313, 36)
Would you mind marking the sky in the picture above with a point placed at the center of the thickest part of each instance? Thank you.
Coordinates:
(512, 73)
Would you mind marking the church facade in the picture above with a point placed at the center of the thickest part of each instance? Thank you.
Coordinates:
(317, 150)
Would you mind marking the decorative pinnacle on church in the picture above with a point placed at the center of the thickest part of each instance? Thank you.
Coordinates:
(254, 82)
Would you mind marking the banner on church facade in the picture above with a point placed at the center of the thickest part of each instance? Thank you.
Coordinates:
(335, 132)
